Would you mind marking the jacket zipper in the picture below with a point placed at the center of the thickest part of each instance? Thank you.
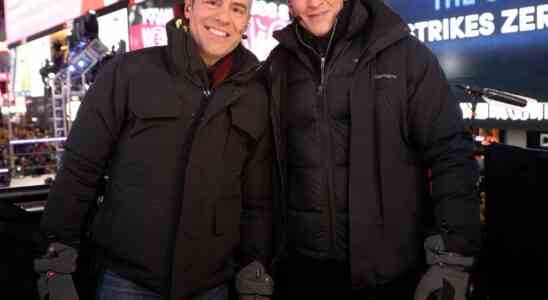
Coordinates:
(207, 95)
(325, 134)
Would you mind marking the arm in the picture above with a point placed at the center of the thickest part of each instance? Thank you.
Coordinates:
(256, 219)
(253, 282)
(87, 151)
(437, 129)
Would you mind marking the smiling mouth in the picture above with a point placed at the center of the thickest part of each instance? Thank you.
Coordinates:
(318, 15)
(217, 32)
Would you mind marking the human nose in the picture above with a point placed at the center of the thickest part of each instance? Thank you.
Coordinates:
(314, 3)
(223, 15)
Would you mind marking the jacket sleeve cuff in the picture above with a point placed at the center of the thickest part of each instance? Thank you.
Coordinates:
(437, 254)
(254, 280)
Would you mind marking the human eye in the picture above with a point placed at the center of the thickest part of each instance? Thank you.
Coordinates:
(240, 10)
(211, 2)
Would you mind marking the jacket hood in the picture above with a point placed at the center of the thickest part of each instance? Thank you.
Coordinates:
(379, 25)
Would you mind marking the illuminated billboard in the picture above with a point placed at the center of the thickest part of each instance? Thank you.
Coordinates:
(29, 59)
(113, 30)
(488, 43)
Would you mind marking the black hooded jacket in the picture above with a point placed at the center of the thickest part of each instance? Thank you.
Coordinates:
(356, 140)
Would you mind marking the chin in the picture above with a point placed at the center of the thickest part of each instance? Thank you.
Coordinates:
(218, 52)
(323, 33)
(318, 31)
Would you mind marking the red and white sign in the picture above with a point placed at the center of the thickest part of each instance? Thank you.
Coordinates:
(27, 17)
(148, 26)
(147, 35)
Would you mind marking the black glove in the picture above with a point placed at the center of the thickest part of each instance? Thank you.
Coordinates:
(253, 283)
(447, 278)
(55, 270)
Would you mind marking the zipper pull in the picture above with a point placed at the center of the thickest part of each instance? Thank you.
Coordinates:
(322, 72)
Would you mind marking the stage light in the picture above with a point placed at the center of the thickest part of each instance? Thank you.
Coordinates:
(84, 59)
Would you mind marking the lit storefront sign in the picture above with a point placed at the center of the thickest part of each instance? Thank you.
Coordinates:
(501, 112)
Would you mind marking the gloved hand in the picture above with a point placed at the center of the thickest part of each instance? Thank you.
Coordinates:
(253, 283)
(55, 270)
(446, 279)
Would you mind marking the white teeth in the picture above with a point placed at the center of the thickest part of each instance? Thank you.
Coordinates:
(218, 32)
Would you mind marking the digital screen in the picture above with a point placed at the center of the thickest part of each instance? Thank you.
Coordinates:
(29, 59)
(24, 17)
(487, 43)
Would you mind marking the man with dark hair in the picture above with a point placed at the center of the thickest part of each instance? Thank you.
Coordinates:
(362, 112)
(183, 134)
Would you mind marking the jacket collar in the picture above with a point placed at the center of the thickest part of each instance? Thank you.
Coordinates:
(183, 57)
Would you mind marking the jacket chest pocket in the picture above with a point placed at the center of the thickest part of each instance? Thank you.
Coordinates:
(153, 117)
(150, 138)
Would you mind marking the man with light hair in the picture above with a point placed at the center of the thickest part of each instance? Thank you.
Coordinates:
(183, 134)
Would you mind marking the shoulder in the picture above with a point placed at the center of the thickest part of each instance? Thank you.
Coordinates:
(419, 56)
(414, 58)
(275, 66)
(277, 59)
(146, 66)
(143, 60)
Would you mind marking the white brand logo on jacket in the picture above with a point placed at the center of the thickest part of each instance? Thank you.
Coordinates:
(386, 76)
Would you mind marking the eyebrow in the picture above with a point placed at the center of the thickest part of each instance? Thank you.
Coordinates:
(240, 5)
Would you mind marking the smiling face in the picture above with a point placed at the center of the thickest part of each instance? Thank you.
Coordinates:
(316, 16)
(217, 26)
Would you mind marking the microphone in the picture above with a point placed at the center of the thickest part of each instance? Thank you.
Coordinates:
(493, 94)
